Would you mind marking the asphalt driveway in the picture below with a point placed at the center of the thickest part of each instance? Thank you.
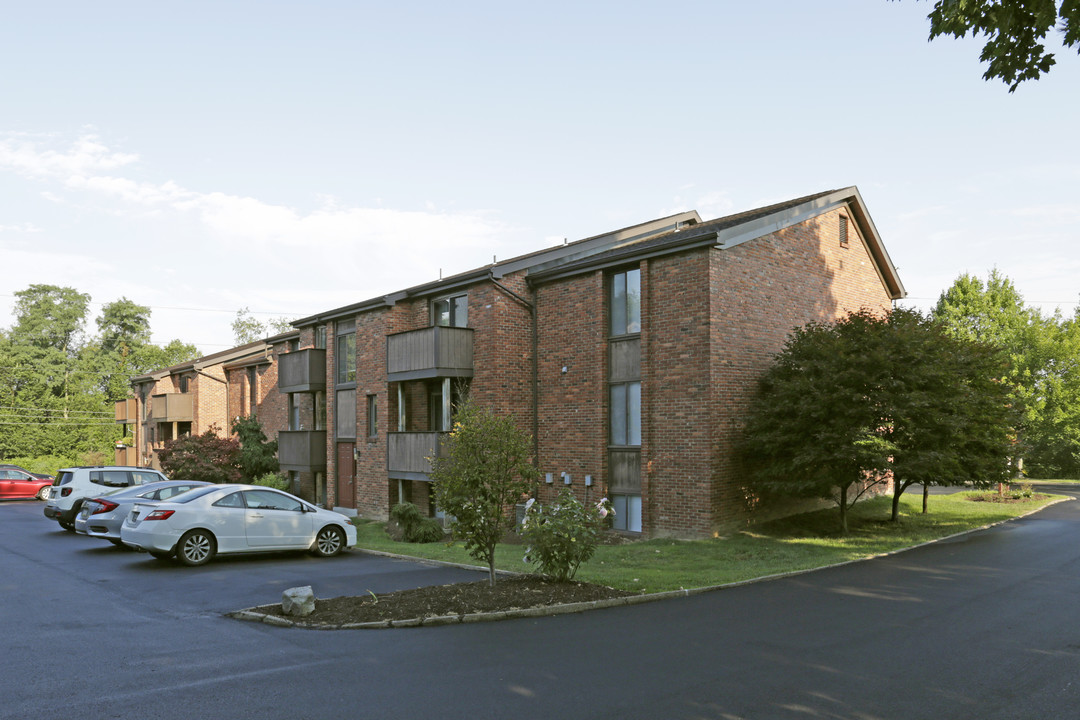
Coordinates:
(983, 626)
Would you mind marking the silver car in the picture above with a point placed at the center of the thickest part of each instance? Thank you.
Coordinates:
(102, 517)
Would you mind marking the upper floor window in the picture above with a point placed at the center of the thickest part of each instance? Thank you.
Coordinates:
(345, 353)
(320, 337)
(185, 383)
(451, 311)
(625, 302)
(843, 231)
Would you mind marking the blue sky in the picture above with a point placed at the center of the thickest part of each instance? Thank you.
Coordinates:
(201, 157)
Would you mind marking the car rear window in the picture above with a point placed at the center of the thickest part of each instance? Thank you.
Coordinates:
(192, 494)
(63, 477)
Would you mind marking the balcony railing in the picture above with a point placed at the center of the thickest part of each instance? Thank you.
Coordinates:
(302, 450)
(127, 411)
(408, 452)
(430, 352)
(302, 371)
(171, 407)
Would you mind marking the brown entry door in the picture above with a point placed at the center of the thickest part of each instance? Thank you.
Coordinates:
(346, 475)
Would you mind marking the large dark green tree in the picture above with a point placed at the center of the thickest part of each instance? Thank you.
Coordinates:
(847, 402)
(1015, 32)
(813, 426)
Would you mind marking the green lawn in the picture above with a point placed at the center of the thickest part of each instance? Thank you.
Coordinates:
(799, 542)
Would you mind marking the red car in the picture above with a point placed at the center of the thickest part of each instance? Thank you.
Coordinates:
(18, 483)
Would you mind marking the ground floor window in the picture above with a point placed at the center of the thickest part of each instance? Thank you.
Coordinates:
(627, 512)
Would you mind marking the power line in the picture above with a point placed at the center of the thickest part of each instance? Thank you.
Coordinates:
(19, 408)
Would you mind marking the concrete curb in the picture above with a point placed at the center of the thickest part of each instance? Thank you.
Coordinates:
(252, 615)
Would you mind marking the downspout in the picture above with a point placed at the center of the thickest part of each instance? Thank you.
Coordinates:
(535, 364)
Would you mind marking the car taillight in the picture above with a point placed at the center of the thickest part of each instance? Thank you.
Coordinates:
(104, 506)
(159, 515)
(64, 492)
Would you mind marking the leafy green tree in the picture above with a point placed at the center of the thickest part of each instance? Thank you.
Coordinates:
(246, 329)
(258, 455)
(813, 428)
(950, 415)
(207, 457)
(1044, 366)
(845, 403)
(1015, 31)
(484, 472)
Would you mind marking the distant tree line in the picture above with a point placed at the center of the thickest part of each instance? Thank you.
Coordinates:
(59, 382)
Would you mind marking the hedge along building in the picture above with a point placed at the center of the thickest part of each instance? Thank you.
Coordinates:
(630, 357)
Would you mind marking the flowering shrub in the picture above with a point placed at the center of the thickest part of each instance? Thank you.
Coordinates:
(564, 534)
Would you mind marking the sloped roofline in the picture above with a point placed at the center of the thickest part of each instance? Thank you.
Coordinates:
(561, 253)
(733, 230)
(243, 352)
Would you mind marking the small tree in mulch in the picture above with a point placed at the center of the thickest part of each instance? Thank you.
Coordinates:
(485, 470)
(207, 457)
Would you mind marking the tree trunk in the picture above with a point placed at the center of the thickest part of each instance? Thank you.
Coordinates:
(925, 498)
(843, 510)
(897, 489)
(491, 570)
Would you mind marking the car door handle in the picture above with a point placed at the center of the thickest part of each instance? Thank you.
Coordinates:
(255, 515)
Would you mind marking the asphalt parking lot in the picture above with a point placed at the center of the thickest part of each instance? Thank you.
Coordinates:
(978, 626)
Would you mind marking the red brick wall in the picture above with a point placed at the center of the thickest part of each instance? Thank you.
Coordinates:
(761, 290)
(573, 404)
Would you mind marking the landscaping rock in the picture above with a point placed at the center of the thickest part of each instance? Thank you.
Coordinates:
(298, 601)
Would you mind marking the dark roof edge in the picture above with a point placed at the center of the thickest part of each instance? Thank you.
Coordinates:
(726, 236)
(497, 270)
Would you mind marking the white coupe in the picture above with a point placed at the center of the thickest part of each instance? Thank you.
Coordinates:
(219, 519)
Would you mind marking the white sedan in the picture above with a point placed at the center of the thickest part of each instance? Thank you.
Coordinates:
(196, 525)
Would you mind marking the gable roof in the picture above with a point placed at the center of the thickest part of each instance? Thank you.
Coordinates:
(732, 230)
(673, 233)
(257, 349)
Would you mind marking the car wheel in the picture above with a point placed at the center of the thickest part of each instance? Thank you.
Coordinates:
(69, 525)
(196, 547)
(43, 493)
(329, 541)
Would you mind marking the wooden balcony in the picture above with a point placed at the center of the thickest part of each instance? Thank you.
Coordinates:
(302, 371)
(171, 407)
(302, 450)
(408, 452)
(127, 411)
(428, 353)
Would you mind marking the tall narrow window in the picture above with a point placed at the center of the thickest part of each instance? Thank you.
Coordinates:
(294, 411)
(320, 337)
(625, 302)
(843, 231)
(320, 410)
(345, 354)
(372, 416)
(451, 311)
(626, 414)
(253, 390)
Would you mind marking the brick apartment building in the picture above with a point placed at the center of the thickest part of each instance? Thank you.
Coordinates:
(195, 396)
(630, 358)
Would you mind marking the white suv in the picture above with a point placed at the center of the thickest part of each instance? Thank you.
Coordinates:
(74, 485)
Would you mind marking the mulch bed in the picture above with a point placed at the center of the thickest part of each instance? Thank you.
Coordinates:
(510, 593)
